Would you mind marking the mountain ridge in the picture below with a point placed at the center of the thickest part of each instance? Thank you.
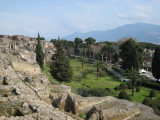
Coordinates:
(143, 32)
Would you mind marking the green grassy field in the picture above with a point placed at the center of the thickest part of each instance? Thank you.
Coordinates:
(90, 81)
(48, 74)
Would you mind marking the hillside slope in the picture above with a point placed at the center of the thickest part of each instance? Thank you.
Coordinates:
(141, 31)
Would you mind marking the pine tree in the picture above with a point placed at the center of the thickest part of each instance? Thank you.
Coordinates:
(156, 64)
(39, 53)
(60, 67)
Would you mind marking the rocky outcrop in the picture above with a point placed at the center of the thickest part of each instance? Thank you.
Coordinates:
(25, 67)
(95, 114)
(24, 91)
(109, 108)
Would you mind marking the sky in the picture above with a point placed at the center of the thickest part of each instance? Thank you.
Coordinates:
(53, 18)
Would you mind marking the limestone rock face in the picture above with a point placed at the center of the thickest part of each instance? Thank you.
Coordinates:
(24, 91)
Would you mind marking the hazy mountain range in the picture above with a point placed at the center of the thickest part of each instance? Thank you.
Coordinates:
(141, 31)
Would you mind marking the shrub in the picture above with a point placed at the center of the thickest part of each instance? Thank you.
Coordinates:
(146, 102)
(123, 95)
(123, 86)
(128, 98)
(139, 82)
(83, 92)
(99, 92)
(152, 85)
(102, 73)
(117, 88)
(152, 94)
(138, 89)
(107, 89)
(129, 85)
(84, 73)
(79, 76)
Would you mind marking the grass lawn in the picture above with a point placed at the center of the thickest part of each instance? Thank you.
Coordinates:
(90, 81)
(78, 81)
(48, 74)
(139, 96)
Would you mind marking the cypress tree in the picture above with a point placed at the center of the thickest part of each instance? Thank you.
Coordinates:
(156, 64)
(60, 67)
(39, 53)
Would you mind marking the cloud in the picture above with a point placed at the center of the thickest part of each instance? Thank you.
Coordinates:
(138, 12)
(24, 17)
(142, 8)
(30, 30)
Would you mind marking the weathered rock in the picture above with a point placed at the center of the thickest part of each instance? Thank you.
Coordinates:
(95, 114)
(26, 92)
(20, 66)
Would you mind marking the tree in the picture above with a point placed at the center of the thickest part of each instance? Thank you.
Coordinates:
(39, 53)
(42, 38)
(98, 66)
(156, 64)
(90, 41)
(131, 54)
(60, 67)
(137, 89)
(82, 60)
(108, 50)
(116, 57)
(78, 42)
(133, 74)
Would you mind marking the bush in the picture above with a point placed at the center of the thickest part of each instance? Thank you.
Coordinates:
(146, 101)
(139, 82)
(84, 73)
(107, 89)
(152, 85)
(117, 88)
(99, 92)
(128, 98)
(138, 89)
(123, 86)
(79, 76)
(152, 94)
(102, 73)
(129, 85)
(123, 95)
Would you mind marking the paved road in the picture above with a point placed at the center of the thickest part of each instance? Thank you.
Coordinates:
(149, 74)
(116, 74)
